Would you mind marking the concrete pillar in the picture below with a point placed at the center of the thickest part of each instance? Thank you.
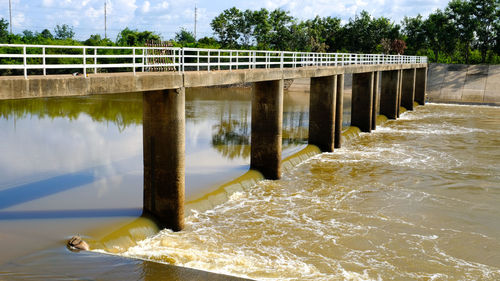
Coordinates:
(267, 122)
(400, 86)
(339, 110)
(376, 79)
(420, 85)
(322, 101)
(164, 146)
(408, 88)
(362, 101)
(389, 94)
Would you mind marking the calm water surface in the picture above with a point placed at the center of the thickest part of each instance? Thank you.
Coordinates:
(418, 199)
(74, 165)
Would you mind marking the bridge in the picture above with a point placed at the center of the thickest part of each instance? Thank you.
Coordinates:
(162, 74)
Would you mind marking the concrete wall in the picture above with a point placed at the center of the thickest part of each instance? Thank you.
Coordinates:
(460, 83)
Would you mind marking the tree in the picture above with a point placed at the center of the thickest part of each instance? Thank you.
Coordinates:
(280, 33)
(4, 30)
(46, 34)
(487, 12)
(129, 37)
(414, 30)
(398, 46)
(261, 27)
(64, 32)
(461, 14)
(363, 34)
(184, 36)
(226, 25)
(440, 33)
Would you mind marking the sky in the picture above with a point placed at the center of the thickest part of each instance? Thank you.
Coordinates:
(166, 17)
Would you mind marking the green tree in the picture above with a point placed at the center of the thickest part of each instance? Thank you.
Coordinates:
(363, 34)
(226, 26)
(46, 34)
(280, 33)
(129, 37)
(440, 34)
(461, 14)
(184, 36)
(487, 15)
(261, 28)
(414, 30)
(64, 32)
(4, 30)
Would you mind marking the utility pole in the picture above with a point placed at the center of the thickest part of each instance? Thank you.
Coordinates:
(195, 20)
(105, 23)
(10, 15)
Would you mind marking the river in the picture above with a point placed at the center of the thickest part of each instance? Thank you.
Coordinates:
(415, 199)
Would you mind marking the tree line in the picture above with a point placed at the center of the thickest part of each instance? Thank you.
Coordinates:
(466, 31)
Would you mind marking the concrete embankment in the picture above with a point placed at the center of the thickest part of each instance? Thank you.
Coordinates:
(459, 83)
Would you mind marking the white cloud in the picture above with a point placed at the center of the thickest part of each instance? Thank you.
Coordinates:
(145, 7)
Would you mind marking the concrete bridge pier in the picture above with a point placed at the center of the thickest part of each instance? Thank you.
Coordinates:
(408, 88)
(362, 101)
(376, 79)
(339, 110)
(389, 94)
(420, 85)
(267, 122)
(322, 100)
(164, 147)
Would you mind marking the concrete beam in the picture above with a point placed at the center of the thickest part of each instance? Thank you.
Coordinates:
(339, 110)
(376, 78)
(420, 85)
(267, 122)
(164, 163)
(322, 101)
(362, 101)
(408, 88)
(389, 94)
(16, 87)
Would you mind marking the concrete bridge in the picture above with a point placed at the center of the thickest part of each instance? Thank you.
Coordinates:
(396, 80)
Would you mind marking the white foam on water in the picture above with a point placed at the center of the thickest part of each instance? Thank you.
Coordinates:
(363, 212)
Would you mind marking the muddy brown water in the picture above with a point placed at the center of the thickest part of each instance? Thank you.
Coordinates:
(416, 199)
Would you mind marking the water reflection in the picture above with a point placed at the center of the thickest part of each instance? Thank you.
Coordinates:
(70, 165)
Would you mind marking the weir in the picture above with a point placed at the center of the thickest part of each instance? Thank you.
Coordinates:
(397, 80)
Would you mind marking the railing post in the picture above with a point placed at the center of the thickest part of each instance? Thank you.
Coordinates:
(95, 60)
(197, 60)
(25, 63)
(254, 59)
(237, 59)
(133, 57)
(43, 59)
(230, 60)
(84, 62)
(218, 60)
(281, 60)
(208, 60)
(183, 59)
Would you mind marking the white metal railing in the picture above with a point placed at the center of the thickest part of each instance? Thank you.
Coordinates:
(40, 59)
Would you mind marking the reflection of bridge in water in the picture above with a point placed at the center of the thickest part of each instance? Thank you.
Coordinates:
(385, 82)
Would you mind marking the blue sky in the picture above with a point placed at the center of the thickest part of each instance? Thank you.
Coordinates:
(167, 16)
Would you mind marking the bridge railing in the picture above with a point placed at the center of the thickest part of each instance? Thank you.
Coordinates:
(16, 59)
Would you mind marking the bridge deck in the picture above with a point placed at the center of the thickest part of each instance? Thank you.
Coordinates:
(17, 87)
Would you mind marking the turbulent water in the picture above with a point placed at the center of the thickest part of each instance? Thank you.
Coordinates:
(416, 199)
